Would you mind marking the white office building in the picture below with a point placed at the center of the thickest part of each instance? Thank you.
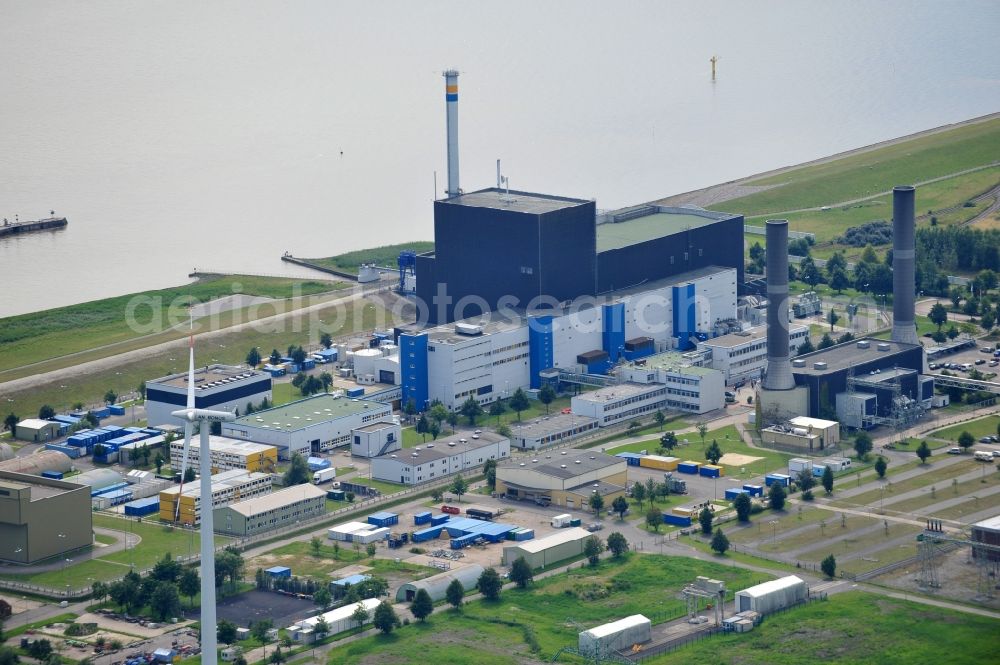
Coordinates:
(623, 402)
(743, 355)
(444, 457)
(688, 387)
(376, 439)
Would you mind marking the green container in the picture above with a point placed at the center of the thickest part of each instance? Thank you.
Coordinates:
(575, 522)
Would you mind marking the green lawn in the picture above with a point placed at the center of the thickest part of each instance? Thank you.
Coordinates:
(853, 628)
(879, 170)
(947, 491)
(385, 255)
(531, 625)
(987, 426)
(157, 539)
(941, 476)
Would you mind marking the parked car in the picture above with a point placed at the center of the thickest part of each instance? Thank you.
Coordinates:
(954, 451)
(985, 439)
(980, 361)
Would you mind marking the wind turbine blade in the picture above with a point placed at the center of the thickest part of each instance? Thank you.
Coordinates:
(188, 425)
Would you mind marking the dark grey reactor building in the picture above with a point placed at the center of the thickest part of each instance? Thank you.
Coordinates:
(504, 249)
(41, 518)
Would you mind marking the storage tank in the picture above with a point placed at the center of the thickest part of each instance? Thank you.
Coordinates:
(364, 361)
(47, 460)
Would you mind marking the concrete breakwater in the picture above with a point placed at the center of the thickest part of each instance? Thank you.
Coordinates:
(27, 227)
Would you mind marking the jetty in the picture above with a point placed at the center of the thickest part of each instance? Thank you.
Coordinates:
(13, 228)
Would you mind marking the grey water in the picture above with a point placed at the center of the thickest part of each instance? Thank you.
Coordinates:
(218, 135)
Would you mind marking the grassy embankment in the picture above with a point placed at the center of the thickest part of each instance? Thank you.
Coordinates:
(384, 256)
(978, 428)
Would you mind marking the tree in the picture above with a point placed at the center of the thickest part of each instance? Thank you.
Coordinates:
(326, 379)
(360, 615)
(592, 549)
(829, 566)
(10, 422)
(713, 454)
(189, 475)
(226, 631)
(965, 439)
(326, 340)
(777, 496)
(158, 461)
(189, 584)
(40, 649)
(705, 519)
(805, 347)
(620, 506)
(275, 357)
(165, 602)
(519, 402)
(434, 429)
(321, 627)
(743, 506)
(805, 479)
(489, 584)
(370, 550)
(316, 545)
(438, 413)
(654, 518)
(8, 656)
(938, 315)
(471, 409)
(410, 408)
(923, 452)
(349, 497)
(546, 396)
(166, 569)
(504, 430)
(422, 605)
(298, 355)
(453, 420)
(757, 259)
(46, 412)
(490, 471)
(423, 427)
(110, 397)
(134, 455)
(845, 338)
(809, 273)
(639, 493)
(260, 629)
(826, 342)
(617, 544)
(385, 618)
(253, 357)
(229, 563)
(660, 419)
(702, 432)
(880, 466)
(597, 503)
(277, 657)
(827, 480)
(458, 487)
(720, 543)
(839, 280)
(497, 409)
(988, 320)
(668, 441)
(520, 573)
(832, 317)
(298, 471)
(952, 332)
(862, 444)
(651, 489)
(455, 594)
(322, 598)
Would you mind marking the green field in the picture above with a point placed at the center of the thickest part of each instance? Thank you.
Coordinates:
(531, 625)
(940, 476)
(299, 556)
(987, 426)
(385, 256)
(853, 628)
(870, 173)
(158, 316)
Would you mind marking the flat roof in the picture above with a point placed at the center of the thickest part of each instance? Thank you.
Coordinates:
(671, 361)
(589, 460)
(818, 423)
(617, 626)
(612, 393)
(220, 481)
(308, 411)
(275, 500)
(445, 334)
(659, 222)
(223, 444)
(771, 586)
(546, 425)
(566, 535)
(993, 524)
(849, 354)
(515, 201)
(600, 486)
(38, 490)
(374, 427)
(214, 376)
(747, 336)
(442, 448)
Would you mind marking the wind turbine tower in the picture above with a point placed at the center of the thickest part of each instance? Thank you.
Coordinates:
(191, 415)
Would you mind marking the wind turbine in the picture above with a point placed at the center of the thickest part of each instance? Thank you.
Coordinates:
(191, 415)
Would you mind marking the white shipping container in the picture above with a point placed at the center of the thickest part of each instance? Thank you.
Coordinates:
(796, 464)
(618, 635)
(559, 521)
(374, 535)
(343, 532)
(772, 596)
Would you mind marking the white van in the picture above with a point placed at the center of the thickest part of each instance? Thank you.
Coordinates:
(983, 456)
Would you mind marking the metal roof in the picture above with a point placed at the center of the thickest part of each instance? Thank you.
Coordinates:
(566, 535)
(668, 221)
(515, 201)
(779, 584)
(617, 626)
(309, 411)
(992, 524)
(849, 354)
(275, 500)
(443, 448)
(622, 390)
(215, 376)
(544, 426)
(589, 461)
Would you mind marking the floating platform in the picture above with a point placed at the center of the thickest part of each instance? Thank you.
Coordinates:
(8, 229)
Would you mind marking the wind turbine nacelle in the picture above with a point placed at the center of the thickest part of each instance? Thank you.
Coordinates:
(204, 415)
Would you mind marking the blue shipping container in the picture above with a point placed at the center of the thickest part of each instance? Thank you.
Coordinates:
(423, 518)
(383, 519)
(141, 507)
(438, 520)
(524, 534)
(754, 490)
(676, 520)
(632, 459)
(116, 410)
(355, 392)
(427, 534)
(732, 493)
(772, 478)
(685, 467)
(69, 451)
(54, 475)
(708, 472)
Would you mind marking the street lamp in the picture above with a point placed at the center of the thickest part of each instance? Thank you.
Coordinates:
(881, 503)
(774, 530)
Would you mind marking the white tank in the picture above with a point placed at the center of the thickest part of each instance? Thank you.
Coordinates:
(799, 431)
(6, 452)
(364, 361)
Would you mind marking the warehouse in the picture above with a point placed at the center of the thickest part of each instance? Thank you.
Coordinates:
(218, 387)
(271, 511)
(625, 401)
(41, 518)
(226, 454)
(227, 487)
(567, 478)
(315, 424)
(688, 387)
(40, 462)
(743, 355)
(772, 596)
(36, 430)
(100, 480)
(601, 641)
(547, 430)
(441, 458)
(337, 620)
(561, 545)
(376, 439)
(437, 585)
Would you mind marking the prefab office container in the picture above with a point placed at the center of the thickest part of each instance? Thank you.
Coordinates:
(710, 471)
(632, 459)
(355, 392)
(279, 571)
(616, 636)
(116, 410)
(782, 478)
(732, 493)
(688, 467)
(659, 462)
(772, 596)
(754, 490)
(342, 532)
(140, 507)
(796, 464)
(422, 518)
(383, 519)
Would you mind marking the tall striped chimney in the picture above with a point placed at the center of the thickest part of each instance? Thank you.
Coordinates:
(779, 364)
(451, 101)
(904, 280)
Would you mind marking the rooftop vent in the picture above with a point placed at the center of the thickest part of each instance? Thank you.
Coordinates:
(882, 346)
(819, 365)
(864, 344)
(414, 454)
(798, 362)
(577, 462)
(451, 444)
(563, 453)
(430, 445)
(562, 466)
(534, 461)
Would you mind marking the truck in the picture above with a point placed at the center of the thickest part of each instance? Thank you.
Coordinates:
(561, 521)
(675, 485)
(324, 475)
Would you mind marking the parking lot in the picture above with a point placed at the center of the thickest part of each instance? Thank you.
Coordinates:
(974, 357)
